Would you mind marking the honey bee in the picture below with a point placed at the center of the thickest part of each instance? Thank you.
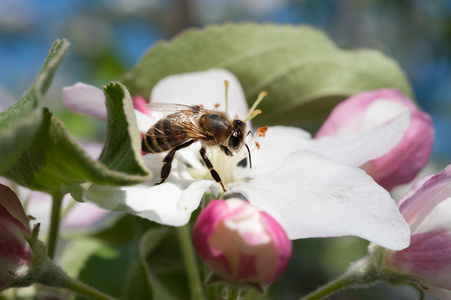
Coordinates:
(182, 125)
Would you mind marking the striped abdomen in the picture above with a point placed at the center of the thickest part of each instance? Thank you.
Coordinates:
(164, 135)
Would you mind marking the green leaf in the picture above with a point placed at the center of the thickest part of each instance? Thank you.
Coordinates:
(18, 137)
(38, 151)
(21, 122)
(304, 73)
(116, 268)
(161, 255)
(122, 151)
(85, 247)
(54, 160)
(51, 64)
(151, 253)
(131, 259)
(30, 99)
(149, 242)
(105, 270)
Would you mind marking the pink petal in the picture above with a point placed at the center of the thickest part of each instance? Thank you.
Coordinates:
(339, 122)
(241, 244)
(139, 103)
(406, 160)
(85, 99)
(428, 257)
(372, 109)
(424, 196)
(282, 243)
(12, 207)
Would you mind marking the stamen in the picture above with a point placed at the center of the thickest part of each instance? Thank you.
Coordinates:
(217, 105)
(262, 131)
(226, 83)
(253, 111)
(257, 144)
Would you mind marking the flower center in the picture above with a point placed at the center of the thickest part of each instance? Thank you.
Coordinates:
(230, 168)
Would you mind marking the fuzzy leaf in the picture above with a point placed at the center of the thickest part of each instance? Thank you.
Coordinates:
(122, 151)
(21, 122)
(16, 138)
(304, 73)
(51, 64)
(54, 160)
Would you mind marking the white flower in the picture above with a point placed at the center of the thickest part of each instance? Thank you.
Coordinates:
(313, 188)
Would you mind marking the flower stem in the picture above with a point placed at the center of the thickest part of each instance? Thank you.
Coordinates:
(232, 293)
(47, 273)
(251, 295)
(360, 273)
(189, 256)
(212, 292)
(85, 290)
(54, 224)
(330, 288)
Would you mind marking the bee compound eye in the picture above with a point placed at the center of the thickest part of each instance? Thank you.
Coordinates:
(236, 139)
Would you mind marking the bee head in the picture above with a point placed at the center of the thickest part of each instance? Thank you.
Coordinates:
(236, 139)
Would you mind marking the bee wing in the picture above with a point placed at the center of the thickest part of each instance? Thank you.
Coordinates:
(168, 107)
(160, 110)
(182, 120)
(144, 121)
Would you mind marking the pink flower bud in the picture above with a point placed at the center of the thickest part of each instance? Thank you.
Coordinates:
(85, 99)
(427, 209)
(371, 109)
(240, 243)
(15, 238)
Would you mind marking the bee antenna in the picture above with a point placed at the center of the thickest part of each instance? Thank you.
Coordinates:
(248, 151)
(250, 132)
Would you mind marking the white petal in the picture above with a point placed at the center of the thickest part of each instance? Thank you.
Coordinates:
(351, 150)
(313, 197)
(144, 121)
(278, 144)
(438, 217)
(356, 149)
(85, 99)
(167, 204)
(206, 88)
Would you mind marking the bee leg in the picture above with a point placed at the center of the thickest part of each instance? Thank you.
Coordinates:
(167, 162)
(208, 164)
